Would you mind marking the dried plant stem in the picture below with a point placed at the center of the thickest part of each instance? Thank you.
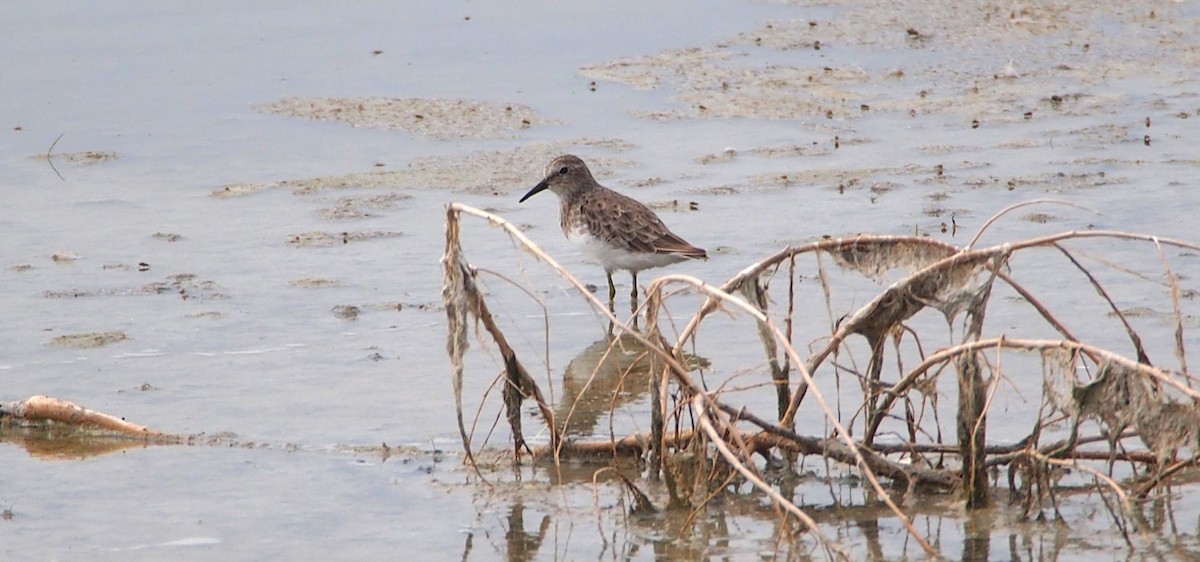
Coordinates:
(690, 421)
(1098, 353)
(988, 223)
(456, 325)
(456, 279)
(460, 290)
(656, 288)
(545, 320)
(894, 305)
(1109, 482)
(1161, 476)
(1180, 355)
(1133, 336)
(702, 414)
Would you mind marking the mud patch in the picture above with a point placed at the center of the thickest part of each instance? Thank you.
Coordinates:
(772, 92)
(86, 158)
(321, 239)
(710, 84)
(1053, 53)
(353, 311)
(185, 285)
(361, 207)
(674, 205)
(727, 155)
(489, 172)
(947, 149)
(346, 311)
(787, 151)
(204, 314)
(88, 340)
(715, 190)
(314, 283)
(441, 119)
(648, 72)
(1064, 181)
(1040, 218)
(842, 180)
(813, 149)
(646, 182)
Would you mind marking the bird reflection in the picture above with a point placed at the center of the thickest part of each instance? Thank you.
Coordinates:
(523, 545)
(610, 373)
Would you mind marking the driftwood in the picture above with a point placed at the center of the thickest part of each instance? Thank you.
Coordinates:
(44, 408)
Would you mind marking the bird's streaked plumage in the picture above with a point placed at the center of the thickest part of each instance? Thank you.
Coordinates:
(613, 230)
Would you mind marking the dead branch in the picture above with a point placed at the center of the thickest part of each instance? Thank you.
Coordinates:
(44, 408)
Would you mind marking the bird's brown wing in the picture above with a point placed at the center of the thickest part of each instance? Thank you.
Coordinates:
(626, 222)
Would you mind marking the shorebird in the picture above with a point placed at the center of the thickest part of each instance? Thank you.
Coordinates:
(612, 230)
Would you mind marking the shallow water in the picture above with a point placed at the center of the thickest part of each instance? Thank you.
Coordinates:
(234, 325)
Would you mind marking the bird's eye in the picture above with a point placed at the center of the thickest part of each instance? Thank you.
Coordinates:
(563, 170)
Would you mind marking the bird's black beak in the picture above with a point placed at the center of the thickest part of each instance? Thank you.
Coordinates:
(536, 189)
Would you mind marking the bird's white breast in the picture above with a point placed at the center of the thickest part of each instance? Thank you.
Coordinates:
(614, 258)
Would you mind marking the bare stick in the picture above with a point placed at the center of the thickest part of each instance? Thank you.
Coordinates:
(50, 159)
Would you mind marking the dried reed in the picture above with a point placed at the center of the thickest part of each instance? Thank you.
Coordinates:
(700, 440)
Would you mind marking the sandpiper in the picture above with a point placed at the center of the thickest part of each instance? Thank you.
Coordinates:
(615, 231)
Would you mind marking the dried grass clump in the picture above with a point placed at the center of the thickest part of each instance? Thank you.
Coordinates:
(701, 440)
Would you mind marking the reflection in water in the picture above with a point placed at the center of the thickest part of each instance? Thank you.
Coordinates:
(734, 525)
(1041, 547)
(67, 443)
(610, 373)
(870, 531)
(977, 528)
(522, 545)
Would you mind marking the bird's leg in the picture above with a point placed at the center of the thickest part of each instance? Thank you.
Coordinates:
(612, 293)
(633, 295)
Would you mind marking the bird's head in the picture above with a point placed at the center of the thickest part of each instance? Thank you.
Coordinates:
(564, 175)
